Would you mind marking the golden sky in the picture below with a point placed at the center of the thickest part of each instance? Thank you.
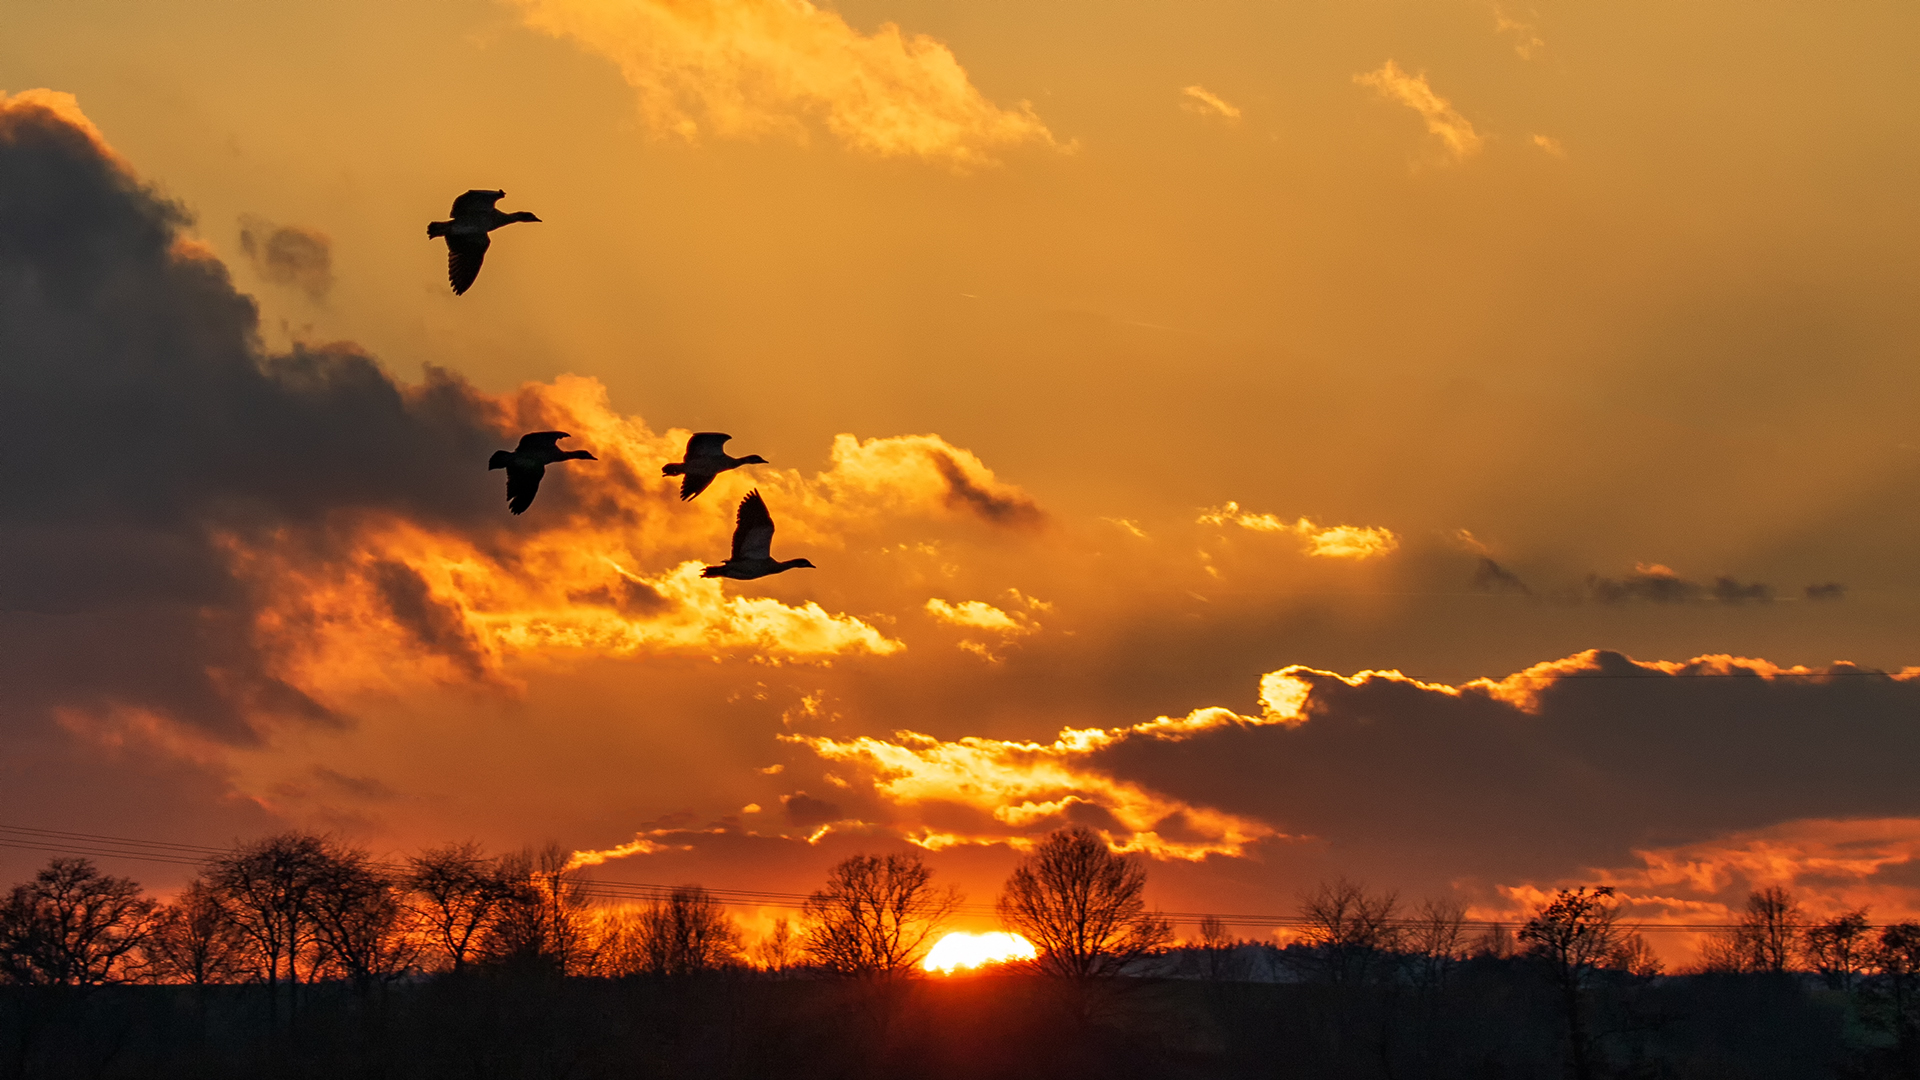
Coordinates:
(1138, 374)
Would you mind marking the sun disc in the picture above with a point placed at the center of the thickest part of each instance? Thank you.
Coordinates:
(961, 950)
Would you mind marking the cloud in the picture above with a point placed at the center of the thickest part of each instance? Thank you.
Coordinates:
(1490, 576)
(289, 255)
(980, 615)
(921, 472)
(1013, 791)
(1526, 40)
(1330, 542)
(1207, 103)
(748, 68)
(1550, 145)
(1443, 121)
(1830, 590)
(1658, 584)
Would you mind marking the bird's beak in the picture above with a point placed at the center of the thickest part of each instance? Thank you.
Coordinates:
(590, 457)
(533, 218)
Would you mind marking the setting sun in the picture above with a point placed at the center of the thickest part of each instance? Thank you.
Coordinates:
(963, 950)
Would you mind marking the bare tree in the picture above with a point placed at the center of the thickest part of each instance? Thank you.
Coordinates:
(1838, 948)
(1494, 943)
(456, 893)
(876, 915)
(1893, 993)
(195, 940)
(543, 919)
(777, 951)
(358, 918)
(1571, 937)
(1436, 940)
(1767, 936)
(687, 932)
(1082, 906)
(73, 926)
(1352, 932)
(1771, 929)
(1219, 959)
(267, 887)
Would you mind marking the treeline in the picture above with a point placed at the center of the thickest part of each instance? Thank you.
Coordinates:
(301, 908)
(301, 955)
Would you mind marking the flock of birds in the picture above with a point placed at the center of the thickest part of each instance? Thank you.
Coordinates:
(474, 216)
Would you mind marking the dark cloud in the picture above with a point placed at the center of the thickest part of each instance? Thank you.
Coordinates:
(433, 623)
(1403, 782)
(1657, 584)
(1000, 507)
(152, 431)
(1831, 590)
(806, 812)
(1490, 576)
(289, 255)
(359, 787)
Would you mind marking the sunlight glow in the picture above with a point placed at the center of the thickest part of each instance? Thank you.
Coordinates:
(963, 950)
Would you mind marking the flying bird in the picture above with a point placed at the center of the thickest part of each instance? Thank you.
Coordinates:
(705, 460)
(753, 545)
(527, 463)
(474, 216)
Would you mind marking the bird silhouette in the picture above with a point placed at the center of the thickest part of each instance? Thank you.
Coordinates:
(753, 545)
(705, 460)
(474, 216)
(527, 463)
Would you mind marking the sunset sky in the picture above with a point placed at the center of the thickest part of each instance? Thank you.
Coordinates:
(1140, 375)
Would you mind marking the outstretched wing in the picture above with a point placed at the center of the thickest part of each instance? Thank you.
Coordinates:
(753, 532)
(540, 440)
(477, 201)
(465, 252)
(523, 483)
(694, 483)
(706, 444)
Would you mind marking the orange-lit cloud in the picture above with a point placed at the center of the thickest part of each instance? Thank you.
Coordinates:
(1030, 787)
(1526, 39)
(748, 68)
(1550, 145)
(1207, 103)
(1328, 542)
(1444, 122)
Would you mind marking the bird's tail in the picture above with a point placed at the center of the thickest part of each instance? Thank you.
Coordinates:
(437, 229)
(499, 459)
(713, 571)
(675, 469)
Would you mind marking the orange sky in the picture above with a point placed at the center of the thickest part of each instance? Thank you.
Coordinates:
(1109, 358)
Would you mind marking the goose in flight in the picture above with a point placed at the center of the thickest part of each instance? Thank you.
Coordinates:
(474, 216)
(527, 463)
(705, 460)
(753, 546)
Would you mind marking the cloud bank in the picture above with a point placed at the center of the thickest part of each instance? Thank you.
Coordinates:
(750, 68)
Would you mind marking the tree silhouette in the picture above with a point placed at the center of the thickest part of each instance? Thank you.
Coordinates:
(357, 917)
(1570, 937)
(267, 887)
(195, 940)
(777, 951)
(73, 926)
(1082, 906)
(456, 892)
(875, 917)
(687, 932)
(1838, 947)
(543, 919)
(1353, 933)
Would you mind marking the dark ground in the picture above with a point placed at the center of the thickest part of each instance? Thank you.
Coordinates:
(1490, 1021)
